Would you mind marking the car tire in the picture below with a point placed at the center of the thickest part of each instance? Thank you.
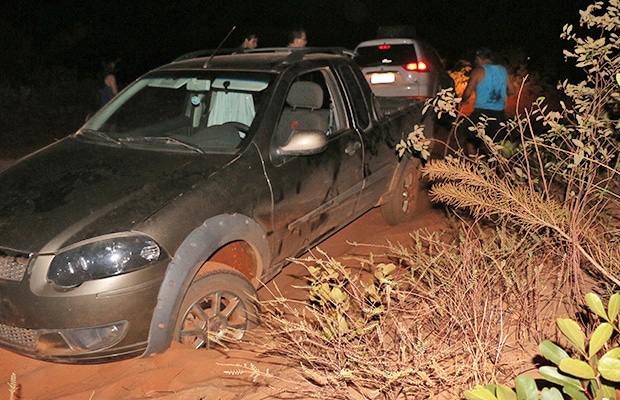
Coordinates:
(402, 203)
(219, 307)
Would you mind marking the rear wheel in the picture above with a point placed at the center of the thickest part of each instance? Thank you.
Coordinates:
(402, 204)
(219, 306)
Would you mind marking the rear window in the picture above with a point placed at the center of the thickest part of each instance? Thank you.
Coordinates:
(396, 54)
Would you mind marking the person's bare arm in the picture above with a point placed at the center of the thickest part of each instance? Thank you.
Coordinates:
(477, 75)
(110, 80)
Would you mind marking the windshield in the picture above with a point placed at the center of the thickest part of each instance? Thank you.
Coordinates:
(201, 113)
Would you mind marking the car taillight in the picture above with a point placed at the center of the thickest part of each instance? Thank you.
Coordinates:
(384, 47)
(419, 66)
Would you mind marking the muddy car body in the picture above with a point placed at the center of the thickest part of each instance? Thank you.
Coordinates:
(157, 220)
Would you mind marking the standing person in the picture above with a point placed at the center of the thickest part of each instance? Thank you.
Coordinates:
(109, 88)
(297, 38)
(250, 41)
(489, 81)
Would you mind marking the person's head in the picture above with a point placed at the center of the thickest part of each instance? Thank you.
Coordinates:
(484, 55)
(109, 66)
(250, 41)
(297, 38)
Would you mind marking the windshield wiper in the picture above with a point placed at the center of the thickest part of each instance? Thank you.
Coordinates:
(101, 135)
(168, 140)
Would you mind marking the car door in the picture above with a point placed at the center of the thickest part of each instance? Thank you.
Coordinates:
(380, 158)
(314, 195)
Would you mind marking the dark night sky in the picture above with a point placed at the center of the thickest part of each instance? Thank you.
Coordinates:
(145, 34)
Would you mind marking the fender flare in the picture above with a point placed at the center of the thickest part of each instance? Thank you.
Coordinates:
(197, 247)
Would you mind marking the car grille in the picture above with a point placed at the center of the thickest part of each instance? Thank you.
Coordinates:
(12, 268)
(23, 338)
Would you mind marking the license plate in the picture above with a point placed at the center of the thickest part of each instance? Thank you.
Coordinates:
(382, 77)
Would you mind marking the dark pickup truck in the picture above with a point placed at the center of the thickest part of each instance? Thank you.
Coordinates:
(160, 217)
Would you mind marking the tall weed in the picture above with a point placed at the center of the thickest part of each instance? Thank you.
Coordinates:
(558, 171)
(410, 321)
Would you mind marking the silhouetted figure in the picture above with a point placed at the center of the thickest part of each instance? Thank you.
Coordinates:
(109, 88)
(297, 38)
(250, 41)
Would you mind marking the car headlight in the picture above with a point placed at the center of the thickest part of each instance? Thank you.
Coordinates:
(105, 258)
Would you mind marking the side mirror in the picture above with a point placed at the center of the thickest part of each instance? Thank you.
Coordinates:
(304, 142)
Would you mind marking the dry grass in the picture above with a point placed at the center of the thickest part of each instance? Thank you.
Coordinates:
(420, 321)
(13, 388)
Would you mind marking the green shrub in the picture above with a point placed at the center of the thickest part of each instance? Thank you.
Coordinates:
(591, 373)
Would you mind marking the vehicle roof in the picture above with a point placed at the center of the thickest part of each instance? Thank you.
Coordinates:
(275, 59)
(377, 42)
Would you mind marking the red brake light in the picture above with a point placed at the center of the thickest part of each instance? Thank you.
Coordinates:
(384, 47)
(420, 66)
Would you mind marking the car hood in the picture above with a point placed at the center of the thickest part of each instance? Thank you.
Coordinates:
(74, 190)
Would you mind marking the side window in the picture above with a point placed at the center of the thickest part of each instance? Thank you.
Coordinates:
(357, 96)
(334, 103)
(311, 103)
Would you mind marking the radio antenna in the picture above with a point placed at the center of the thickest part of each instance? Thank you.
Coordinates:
(220, 46)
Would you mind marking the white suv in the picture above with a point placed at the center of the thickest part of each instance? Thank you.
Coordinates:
(402, 67)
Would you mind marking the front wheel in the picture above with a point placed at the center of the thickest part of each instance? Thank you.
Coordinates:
(218, 307)
(402, 203)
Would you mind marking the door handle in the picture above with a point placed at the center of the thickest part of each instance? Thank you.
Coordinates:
(352, 148)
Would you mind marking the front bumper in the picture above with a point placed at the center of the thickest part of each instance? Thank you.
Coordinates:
(57, 345)
(101, 320)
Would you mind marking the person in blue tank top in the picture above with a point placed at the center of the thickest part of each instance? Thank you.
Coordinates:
(490, 83)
